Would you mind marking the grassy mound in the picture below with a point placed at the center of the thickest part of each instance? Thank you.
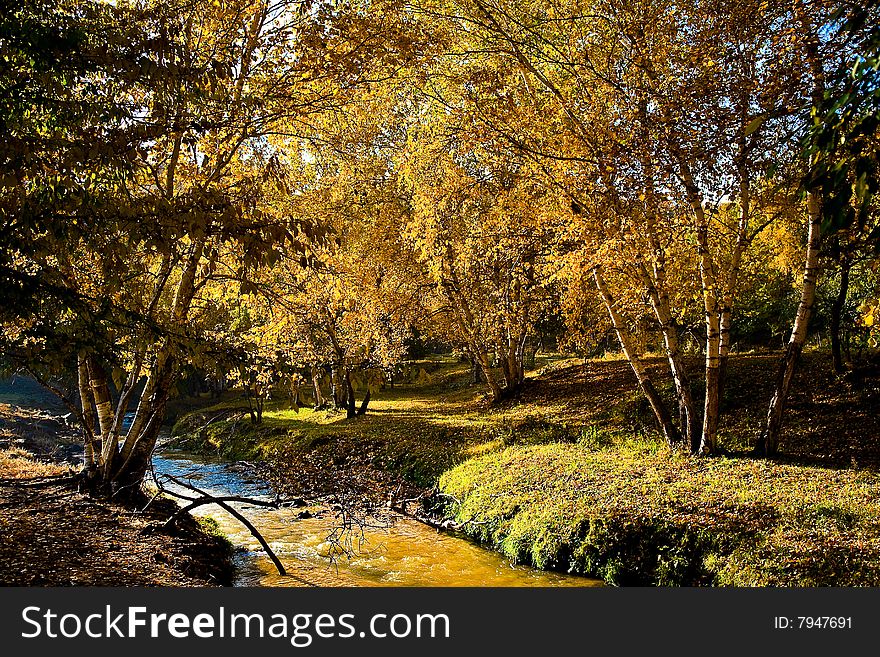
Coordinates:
(631, 513)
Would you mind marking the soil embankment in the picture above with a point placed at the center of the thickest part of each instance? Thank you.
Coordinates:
(53, 535)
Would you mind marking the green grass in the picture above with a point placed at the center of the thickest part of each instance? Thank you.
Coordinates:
(211, 527)
(416, 430)
(631, 513)
(413, 435)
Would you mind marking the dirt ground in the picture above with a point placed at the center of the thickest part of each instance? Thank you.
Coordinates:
(56, 537)
(52, 535)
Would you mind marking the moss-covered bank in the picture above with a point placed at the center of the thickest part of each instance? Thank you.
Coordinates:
(631, 514)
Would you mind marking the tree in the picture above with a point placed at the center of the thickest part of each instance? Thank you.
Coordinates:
(349, 310)
(683, 106)
(840, 182)
(483, 226)
(211, 83)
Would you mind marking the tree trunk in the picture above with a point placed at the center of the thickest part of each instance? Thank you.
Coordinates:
(768, 441)
(521, 357)
(364, 404)
(836, 315)
(506, 372)
(512, 367)
(730, 286)
(350, 408)
(134, 457)
(259, 399)
(134, 463)
(295, 383)
(708, 282)
(653, 275)
(515, 361)
(664, 419)
(688, 420)
(476, 377)
(316, 385)
(104, 413)
(712, 405)
(467, 324)
(250, 394)
(336, 390)
(489, 377)
(92, 449)
(125, 467)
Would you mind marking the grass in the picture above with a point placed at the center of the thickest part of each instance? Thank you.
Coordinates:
(17, 463)
(632, 514)
(211, 527)
(571, 476)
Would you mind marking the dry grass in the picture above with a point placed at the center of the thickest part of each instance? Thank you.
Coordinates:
(16, 463)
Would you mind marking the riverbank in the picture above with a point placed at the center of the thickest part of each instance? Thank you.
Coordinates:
(633, 515)
(53, 535)
(570, 476)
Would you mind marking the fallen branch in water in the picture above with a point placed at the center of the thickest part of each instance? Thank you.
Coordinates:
(216, 500)
(206, 498)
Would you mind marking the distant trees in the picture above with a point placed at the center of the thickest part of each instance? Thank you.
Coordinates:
(349, 311)
(483, 227)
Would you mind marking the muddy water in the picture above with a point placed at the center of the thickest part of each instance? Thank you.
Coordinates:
(393, 551)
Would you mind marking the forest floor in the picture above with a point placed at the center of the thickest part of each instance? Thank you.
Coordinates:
(53, 535)
(571, 475)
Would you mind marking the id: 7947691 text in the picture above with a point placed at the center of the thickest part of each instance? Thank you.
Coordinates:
(812, 622)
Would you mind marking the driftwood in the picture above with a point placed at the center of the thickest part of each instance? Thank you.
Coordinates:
(207, 498)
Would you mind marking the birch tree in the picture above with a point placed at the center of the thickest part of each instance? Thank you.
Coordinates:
(680, 104)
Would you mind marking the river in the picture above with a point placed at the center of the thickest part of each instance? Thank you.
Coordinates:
(393, 551)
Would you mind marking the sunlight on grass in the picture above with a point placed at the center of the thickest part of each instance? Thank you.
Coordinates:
(18, 464)
(633, 515)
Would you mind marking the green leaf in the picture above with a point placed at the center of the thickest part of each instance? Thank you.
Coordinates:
(753, 125)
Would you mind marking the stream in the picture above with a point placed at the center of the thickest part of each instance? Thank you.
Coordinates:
(391, 551)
